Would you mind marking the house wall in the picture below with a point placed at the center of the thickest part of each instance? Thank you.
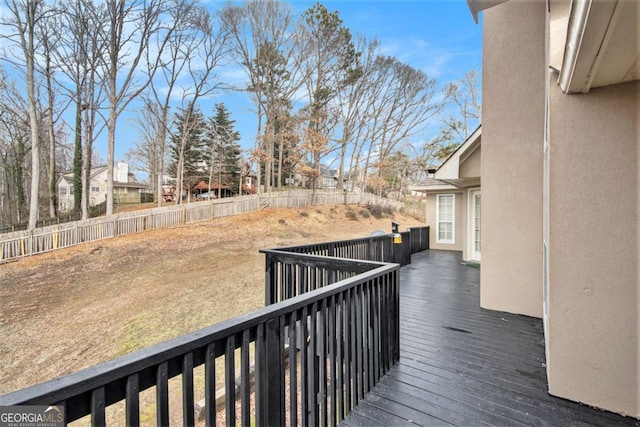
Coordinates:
(65, 201)
(594, 239)
(460, 217)
(513, 111)
(470, 167)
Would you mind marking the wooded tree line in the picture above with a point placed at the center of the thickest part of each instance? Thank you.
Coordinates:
(319, 92)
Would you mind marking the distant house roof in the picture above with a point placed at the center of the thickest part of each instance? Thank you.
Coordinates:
(214, 186)
(132, 184)
(68, 177)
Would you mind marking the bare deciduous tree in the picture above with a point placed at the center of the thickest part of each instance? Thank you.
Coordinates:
(176, 49)
(405, 102)
(129, 28)
(263, 45)
(23, 21)
(464, 98)
(330, 63)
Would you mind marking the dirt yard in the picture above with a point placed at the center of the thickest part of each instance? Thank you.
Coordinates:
(70, 309)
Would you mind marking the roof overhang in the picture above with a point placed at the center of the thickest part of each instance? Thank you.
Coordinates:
(432, 188)
(477, 6)
(449, 171)
(602, 46)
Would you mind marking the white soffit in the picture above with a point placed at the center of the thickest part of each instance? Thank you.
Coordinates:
(602, 45)
(478, 6)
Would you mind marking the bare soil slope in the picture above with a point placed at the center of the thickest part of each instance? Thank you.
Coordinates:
(70, 309)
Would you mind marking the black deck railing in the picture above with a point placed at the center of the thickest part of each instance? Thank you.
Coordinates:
(307, 359)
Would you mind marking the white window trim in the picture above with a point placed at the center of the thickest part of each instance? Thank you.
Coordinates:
(471, 225)
(453, 219)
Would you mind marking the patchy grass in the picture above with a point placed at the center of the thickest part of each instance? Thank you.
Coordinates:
(472, 264)
(66, 310)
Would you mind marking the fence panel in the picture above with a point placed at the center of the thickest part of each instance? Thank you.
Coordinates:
(25, 243)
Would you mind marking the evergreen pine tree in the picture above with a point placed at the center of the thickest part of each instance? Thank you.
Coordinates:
(225, 152)
(189, 121)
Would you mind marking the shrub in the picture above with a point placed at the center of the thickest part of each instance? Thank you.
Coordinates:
(352, 215)
(375, 210)
(364, 213)
(304, 214)
(387, 211)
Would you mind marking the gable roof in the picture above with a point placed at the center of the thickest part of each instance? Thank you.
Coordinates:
(449, 170)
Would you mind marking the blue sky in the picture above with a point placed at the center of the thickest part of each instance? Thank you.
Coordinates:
(436, 36)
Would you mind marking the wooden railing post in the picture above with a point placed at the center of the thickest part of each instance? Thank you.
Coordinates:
(269, 282)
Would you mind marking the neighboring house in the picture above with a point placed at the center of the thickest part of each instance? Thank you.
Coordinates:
(560, 237)
(328, 177)
(453, 201)
(204, 191)
(123, 183)
(249, 184)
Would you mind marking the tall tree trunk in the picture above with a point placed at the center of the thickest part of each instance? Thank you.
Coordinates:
(162, 138)
(77, 159)
(33, 122)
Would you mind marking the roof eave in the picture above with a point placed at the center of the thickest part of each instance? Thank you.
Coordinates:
(477, 6)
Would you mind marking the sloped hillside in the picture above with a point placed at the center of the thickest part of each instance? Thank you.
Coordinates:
(76, 307)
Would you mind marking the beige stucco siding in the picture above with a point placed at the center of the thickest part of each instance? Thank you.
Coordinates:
(470, 167)
(460, 217)
(594, 238)
(513, 111)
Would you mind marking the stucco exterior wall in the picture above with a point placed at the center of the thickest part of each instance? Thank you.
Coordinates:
(513, 111)
(594, 239)
(460, 217)
(470, 167)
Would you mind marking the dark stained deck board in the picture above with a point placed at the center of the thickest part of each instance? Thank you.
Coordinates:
(463, 365)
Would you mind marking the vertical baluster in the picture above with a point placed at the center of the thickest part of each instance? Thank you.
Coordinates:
(375, 329)
(210, 385)
(188, 403)
(230, 381)
(293, 369)
(162, 395)
(245, 391)
(385, 323)
(313, 366)
(349, 350)
(260, 387)
(370, 339)
(322, 332)
(396, 291)
(331, 336)
(132, 401)
(281, 369)
(98, 417)
(340, 360)
(360, 343)
(304, 367)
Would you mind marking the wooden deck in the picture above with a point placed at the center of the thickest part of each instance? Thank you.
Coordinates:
(462, 365)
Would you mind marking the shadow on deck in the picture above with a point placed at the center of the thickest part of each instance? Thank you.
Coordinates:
(463, 365)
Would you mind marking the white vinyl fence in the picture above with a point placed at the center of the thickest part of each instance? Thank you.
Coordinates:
(24, 243)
